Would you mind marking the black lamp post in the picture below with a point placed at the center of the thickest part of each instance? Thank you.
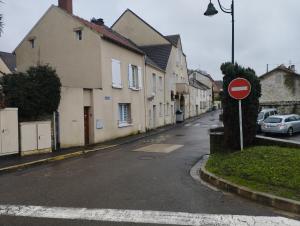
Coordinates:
(211, 11)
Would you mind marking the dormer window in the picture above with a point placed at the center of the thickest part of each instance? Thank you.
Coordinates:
(78, 34)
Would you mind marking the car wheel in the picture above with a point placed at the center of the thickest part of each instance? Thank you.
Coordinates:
(290, 131)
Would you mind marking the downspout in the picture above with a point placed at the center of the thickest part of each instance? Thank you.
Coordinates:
(145, 97)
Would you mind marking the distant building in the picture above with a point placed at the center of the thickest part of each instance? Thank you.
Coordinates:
(199, 97)
(281, 89)
(218, 88)
(205, 79)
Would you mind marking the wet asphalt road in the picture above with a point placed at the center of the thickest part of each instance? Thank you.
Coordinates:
(123, 179)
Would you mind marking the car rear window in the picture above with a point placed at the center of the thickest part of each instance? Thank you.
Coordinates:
(273, 120)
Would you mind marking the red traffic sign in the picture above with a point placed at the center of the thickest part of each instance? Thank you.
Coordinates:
(239, 88)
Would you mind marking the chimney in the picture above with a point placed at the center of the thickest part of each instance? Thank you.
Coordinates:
(292, 68)
(66, 5)
(99, 21)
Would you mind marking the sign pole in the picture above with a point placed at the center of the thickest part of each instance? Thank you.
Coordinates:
(241, 125)
(240, 89)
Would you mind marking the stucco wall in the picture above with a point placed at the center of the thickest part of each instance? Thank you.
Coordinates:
(71, 119)
(133, 28)
(3, 68)
(176, 72)
(157, 100)
(76, 61)
(106, 100)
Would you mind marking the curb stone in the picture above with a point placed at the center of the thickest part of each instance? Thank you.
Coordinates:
(26, 165)
(260, 197)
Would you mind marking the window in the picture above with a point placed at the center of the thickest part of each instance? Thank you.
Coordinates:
(32, 43)
(78, 35)
(161, 110)
(116, 74)
(124, 115)
(160, 83)
(135, 79)
(154, 83)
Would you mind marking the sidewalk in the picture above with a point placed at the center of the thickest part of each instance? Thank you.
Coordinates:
(15, 162)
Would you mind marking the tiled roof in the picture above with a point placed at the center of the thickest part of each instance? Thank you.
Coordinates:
(219, 84)
(152, 63)
(159, 54)
(9, 59)
(173, 39)
(110, 35)
(197, 84)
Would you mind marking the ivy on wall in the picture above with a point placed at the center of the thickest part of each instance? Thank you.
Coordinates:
(289, 82)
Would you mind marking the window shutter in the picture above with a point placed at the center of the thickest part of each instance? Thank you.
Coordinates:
(116, 74)
(130, 79)
(140, 75)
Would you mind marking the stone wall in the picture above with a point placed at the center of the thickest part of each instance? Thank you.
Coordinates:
(283, 107)
(275, 87)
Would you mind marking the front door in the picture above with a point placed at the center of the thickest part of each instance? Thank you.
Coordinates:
(86, 125)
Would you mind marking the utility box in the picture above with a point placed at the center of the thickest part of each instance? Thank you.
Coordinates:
(35, 137)
(179, 116)
(9, 134)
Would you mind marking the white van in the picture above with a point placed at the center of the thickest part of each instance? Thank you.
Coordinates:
(264, 114)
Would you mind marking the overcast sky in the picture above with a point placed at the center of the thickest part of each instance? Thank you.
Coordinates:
(267, 32)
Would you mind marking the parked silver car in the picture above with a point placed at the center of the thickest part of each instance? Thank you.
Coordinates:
(282, 124)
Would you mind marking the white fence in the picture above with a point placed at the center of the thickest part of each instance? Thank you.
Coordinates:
(9, 139)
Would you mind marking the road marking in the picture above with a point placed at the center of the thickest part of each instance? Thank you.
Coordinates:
(197, 124)
(189, 124)
(143, 217)
(159, 148)
(239, 88)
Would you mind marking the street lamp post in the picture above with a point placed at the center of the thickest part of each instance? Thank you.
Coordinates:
(211, 11)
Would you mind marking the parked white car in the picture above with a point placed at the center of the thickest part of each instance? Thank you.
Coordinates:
(282, 124)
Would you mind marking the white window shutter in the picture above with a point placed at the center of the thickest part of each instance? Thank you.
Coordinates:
(116, 74)
(140, 75)
(130, 79)
(114, 82)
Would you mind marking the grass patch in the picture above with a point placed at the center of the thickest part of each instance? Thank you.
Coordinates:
(274, 170)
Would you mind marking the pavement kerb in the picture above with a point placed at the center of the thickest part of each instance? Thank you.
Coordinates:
(87, 151)
(285, 204)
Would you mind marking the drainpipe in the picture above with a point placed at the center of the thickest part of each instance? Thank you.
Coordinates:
(145, 94)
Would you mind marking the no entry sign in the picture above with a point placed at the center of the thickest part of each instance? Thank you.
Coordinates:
(239, 88)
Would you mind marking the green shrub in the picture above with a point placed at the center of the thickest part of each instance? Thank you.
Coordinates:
(250, 107)
(35, 93)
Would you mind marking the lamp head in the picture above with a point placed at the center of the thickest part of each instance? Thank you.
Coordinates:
(211, 10)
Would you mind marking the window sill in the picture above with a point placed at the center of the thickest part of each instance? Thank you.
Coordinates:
(124, 125)
(134, 89)
(117, 87)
